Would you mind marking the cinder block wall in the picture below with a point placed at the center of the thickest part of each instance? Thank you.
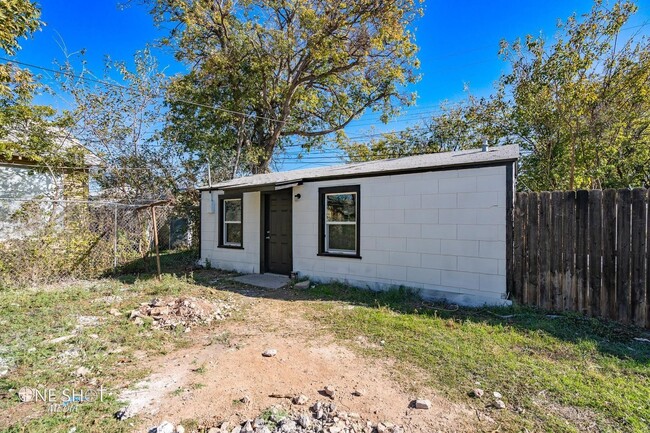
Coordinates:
(442, 232)
(246, 260)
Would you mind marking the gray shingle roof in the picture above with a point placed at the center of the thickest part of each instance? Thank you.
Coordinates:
(433, 161)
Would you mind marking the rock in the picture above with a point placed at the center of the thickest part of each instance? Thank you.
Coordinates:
(248, 428)
(302, 285)
(330, 390)
(26, 394)
(304, 420)
(320, 414)
(125, 413)
(61, 339)
(499, 404)
(224, 427)
(245, 399)
(138, 321)
(381, 428)
(165, 427)
(94, 336)
(422, 404)
(476, 393)
(82, 372)
(300, 399)
(115, 312)
(214, 430)
(354, 415)
(134, 314)
(269, 353)
(288, 425)
(359, 392)
(180, 429)
(237, 429)
(334, 429)
(497, 395)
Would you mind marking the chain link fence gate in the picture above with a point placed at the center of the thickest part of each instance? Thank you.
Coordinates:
(50, 240)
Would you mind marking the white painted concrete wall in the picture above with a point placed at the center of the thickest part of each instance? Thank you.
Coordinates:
(441, 232)
(246, 260)
(18, 182)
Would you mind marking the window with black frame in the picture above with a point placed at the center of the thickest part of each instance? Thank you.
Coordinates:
(339, 216)
(231, 222)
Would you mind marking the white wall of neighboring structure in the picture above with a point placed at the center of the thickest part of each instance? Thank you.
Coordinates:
(245, 260)
(18, 183)
(443, 232)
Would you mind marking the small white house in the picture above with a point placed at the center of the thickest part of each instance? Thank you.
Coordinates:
(440, 223)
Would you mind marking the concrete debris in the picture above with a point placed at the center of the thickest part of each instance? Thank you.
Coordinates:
(165, 427)
(82, 372)
(422, 404)
(269, 353)
(476, 393)
(302, 285)
(322, 417)
(184, 311)
(300, 399)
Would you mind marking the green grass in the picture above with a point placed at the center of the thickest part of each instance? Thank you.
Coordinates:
(541, 365)
(31, 318)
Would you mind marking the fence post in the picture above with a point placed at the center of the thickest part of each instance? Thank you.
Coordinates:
(115, 237)
(155, 239)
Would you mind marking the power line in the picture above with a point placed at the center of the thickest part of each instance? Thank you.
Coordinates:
(106, 83)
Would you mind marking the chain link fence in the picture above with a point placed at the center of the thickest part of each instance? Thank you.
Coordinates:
(50, 240)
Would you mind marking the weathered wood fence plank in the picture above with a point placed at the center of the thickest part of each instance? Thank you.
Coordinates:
(533, 256)
(585, 251)
(582, 239)
(638, 259)
(595, 249)
(609, 253)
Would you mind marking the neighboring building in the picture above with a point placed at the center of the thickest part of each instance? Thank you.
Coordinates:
(435, 222)
(22, 180)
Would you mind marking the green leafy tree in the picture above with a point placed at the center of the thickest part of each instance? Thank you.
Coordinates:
(18, 18)
(578, 107)
(267, 73)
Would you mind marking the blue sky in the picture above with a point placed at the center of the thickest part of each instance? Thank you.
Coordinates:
(458, 43)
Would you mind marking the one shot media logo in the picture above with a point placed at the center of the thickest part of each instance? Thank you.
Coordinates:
(61, 400)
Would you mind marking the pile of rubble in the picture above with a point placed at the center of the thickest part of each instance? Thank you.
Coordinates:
(184, 311)
(322, 417)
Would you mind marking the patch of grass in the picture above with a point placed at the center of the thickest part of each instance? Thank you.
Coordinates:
(541, 365)
(32, 319)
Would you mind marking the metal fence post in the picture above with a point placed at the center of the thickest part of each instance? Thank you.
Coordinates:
(115, 238)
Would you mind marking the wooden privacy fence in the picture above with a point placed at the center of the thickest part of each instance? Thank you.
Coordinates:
(584, 251)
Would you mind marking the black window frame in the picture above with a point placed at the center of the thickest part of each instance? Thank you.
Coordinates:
(322, 193)
(222, 214)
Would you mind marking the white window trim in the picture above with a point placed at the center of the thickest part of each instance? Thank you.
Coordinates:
(225, 222)
(329, 223)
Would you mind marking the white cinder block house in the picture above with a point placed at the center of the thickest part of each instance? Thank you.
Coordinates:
(440, 223)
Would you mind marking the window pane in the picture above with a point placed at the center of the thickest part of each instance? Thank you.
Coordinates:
(342, 237)
(232, 210)
(341, 207)
(233, 233)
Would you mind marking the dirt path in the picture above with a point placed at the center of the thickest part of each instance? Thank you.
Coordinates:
(205, 382)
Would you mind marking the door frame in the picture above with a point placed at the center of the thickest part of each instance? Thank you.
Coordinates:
(264, 197)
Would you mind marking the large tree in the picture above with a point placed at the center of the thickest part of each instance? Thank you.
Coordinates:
(578, 106)
(18, 19)
(268, 73)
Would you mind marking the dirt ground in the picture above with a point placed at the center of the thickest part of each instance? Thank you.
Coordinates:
(205, 382)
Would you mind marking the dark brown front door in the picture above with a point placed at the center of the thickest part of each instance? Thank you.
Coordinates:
(277, 232)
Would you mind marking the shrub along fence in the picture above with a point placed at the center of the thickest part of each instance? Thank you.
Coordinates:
(584, 251)
(49, 240)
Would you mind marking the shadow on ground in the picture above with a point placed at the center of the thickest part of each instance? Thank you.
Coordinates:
(609, 337)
